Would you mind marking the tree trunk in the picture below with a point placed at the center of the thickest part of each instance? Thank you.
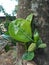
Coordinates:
(42, 58)
(24, 8)
(41, 7)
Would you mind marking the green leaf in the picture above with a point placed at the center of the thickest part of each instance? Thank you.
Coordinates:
(20, 29)
(39, 42)
(29, 17)
(32, 47)
(42, 46)
(28, 56)
(36, 36)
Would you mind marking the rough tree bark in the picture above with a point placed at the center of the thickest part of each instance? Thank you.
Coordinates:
(24, 8)
(42, 9)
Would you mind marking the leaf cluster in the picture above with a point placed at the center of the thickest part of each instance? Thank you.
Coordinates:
(20, 30)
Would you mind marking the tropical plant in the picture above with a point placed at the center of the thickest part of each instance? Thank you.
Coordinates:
(20, 30)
